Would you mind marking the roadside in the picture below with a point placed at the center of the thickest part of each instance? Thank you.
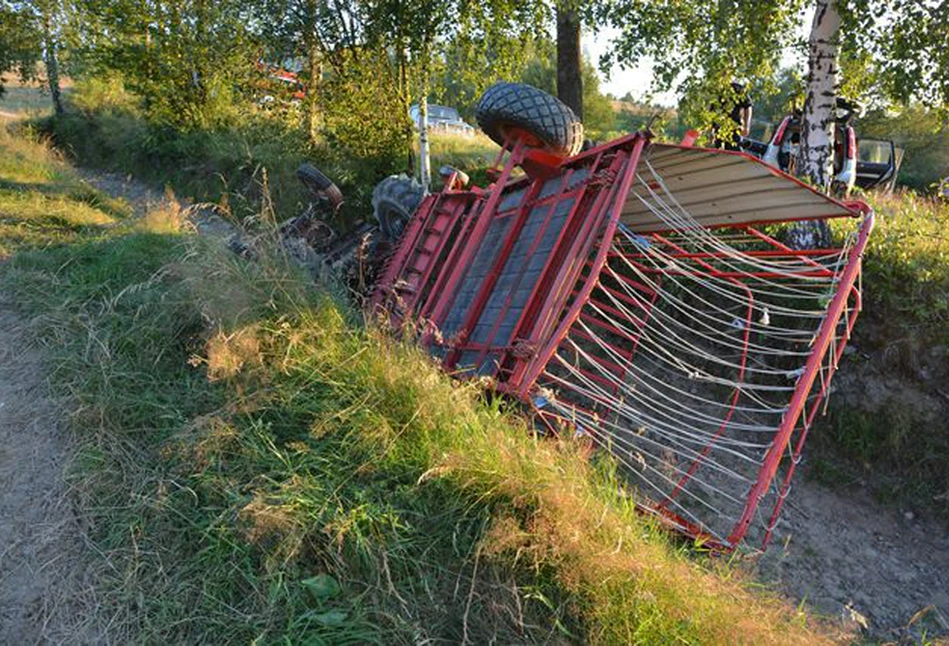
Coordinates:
(46, 594)
(152, 394)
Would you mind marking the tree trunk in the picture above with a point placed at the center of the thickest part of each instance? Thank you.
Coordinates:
(815, 158)
(52, 64)
(314, 61)
(313, 109)
(569, 79)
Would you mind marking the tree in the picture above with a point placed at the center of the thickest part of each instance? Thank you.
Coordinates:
(50, 12)
(815, 158)
(542, 71)
(569, 57)
(184, 58)
(699, 47)
(19, 42)
(891, 51)
(30, 31)
(323, 33)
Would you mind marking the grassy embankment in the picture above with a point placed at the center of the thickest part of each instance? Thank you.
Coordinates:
(888, 441)
(231, 165)
(257, 464)
(887, 427)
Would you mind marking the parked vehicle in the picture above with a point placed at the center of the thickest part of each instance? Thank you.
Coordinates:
(442, 119)
(281, 83)
(867, 164)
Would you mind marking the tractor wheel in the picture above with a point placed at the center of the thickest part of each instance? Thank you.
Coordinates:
(394, 201)
(508, 110)
(319, 185)
(313, 178)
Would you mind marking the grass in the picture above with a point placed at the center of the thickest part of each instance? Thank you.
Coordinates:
(893, 433)
(259, 152)
(258, 464)
(42, 203)
(29, 99)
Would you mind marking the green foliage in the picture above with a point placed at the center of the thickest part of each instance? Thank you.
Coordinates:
(541, 71)
(922, 135)
(907, 266)
(364, 119)
(888, 426)
(489, 46)
(700, 47)
(20, 41)
(183, 59)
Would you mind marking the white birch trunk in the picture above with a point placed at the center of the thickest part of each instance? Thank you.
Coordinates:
(425, 167)
(815, 158)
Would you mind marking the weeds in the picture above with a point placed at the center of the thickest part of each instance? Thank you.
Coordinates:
(887, 427)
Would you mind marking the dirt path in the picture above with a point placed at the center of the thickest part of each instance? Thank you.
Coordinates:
(44, 596)
(839, 549)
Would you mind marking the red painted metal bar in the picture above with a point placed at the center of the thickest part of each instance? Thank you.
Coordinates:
(472, 244)
(809, 419)
(786, 249)
(470, 217)
(552, 202)
(397, 262)
(525, 327)
(538, 362)
(802, 254)
(789, 421)
(452, 221)
(480, 300)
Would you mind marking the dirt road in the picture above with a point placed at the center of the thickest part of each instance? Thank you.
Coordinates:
(41, 546)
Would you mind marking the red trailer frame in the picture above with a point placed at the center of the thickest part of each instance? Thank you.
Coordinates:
(587, 287)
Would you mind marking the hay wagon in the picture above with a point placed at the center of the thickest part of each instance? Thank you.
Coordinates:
(643, 295)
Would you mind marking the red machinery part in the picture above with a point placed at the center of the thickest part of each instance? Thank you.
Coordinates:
(637, 294)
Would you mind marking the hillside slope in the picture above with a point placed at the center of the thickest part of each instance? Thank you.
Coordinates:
(256, 463)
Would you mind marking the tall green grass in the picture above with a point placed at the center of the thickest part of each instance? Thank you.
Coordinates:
(259, 464)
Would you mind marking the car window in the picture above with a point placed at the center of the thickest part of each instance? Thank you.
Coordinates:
(874, 151)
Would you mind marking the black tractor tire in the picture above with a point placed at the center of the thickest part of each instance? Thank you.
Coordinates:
(515, 106)
(394, 202)
(313, 178)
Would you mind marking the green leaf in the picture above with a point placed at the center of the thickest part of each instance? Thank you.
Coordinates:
(330, 618)
(322, 586)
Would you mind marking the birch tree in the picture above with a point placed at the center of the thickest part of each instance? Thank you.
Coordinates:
(19, 42)
(699, 47)
(815, 157)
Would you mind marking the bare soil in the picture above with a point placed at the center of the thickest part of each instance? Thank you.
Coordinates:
(45, 595)
(882, 570)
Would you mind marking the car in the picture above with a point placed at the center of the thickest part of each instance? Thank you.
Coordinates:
(442, 119)
(866, 165)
